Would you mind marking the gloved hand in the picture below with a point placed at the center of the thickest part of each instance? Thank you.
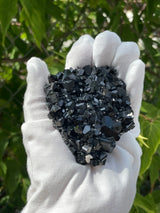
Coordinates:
(58, 183)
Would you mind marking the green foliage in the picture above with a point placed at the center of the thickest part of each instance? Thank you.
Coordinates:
(146, 203)
(47, 29)
(5, 20)
(150, 126)
(33, 13)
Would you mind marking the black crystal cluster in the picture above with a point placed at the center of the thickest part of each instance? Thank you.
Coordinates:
(90, 108)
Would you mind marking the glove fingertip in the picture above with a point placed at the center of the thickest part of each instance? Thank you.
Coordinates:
(37, 71)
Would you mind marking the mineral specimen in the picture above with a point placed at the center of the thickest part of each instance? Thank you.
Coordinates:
(91, 109)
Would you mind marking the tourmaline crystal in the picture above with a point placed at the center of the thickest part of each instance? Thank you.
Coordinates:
(91, 109)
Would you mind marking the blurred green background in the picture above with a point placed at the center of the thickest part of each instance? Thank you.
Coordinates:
(47, 29)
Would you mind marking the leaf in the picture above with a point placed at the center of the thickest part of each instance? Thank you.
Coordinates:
(13, 176)
(6, 73)
(54, 67)
(3, 143)
(151, 131)
(156, 196)
(150, 125)
(63, 55)
(147, 203)
(25, 185)
(4, 200)
(148, 43)
(115, 22)
(154, 169)
(8, 9)
(35, 14)
(3, 169)
(137, 20)
(150, 110)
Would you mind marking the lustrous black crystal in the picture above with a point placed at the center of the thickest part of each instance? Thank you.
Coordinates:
(91, 109)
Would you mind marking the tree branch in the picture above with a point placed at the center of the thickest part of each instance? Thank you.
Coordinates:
(8, 60)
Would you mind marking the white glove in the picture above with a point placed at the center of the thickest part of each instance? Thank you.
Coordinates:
(58, 183)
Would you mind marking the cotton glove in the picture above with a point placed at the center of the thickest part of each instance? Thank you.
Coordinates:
(58, 183)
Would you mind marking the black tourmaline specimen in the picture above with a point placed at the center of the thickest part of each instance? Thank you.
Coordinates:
(90, 108)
